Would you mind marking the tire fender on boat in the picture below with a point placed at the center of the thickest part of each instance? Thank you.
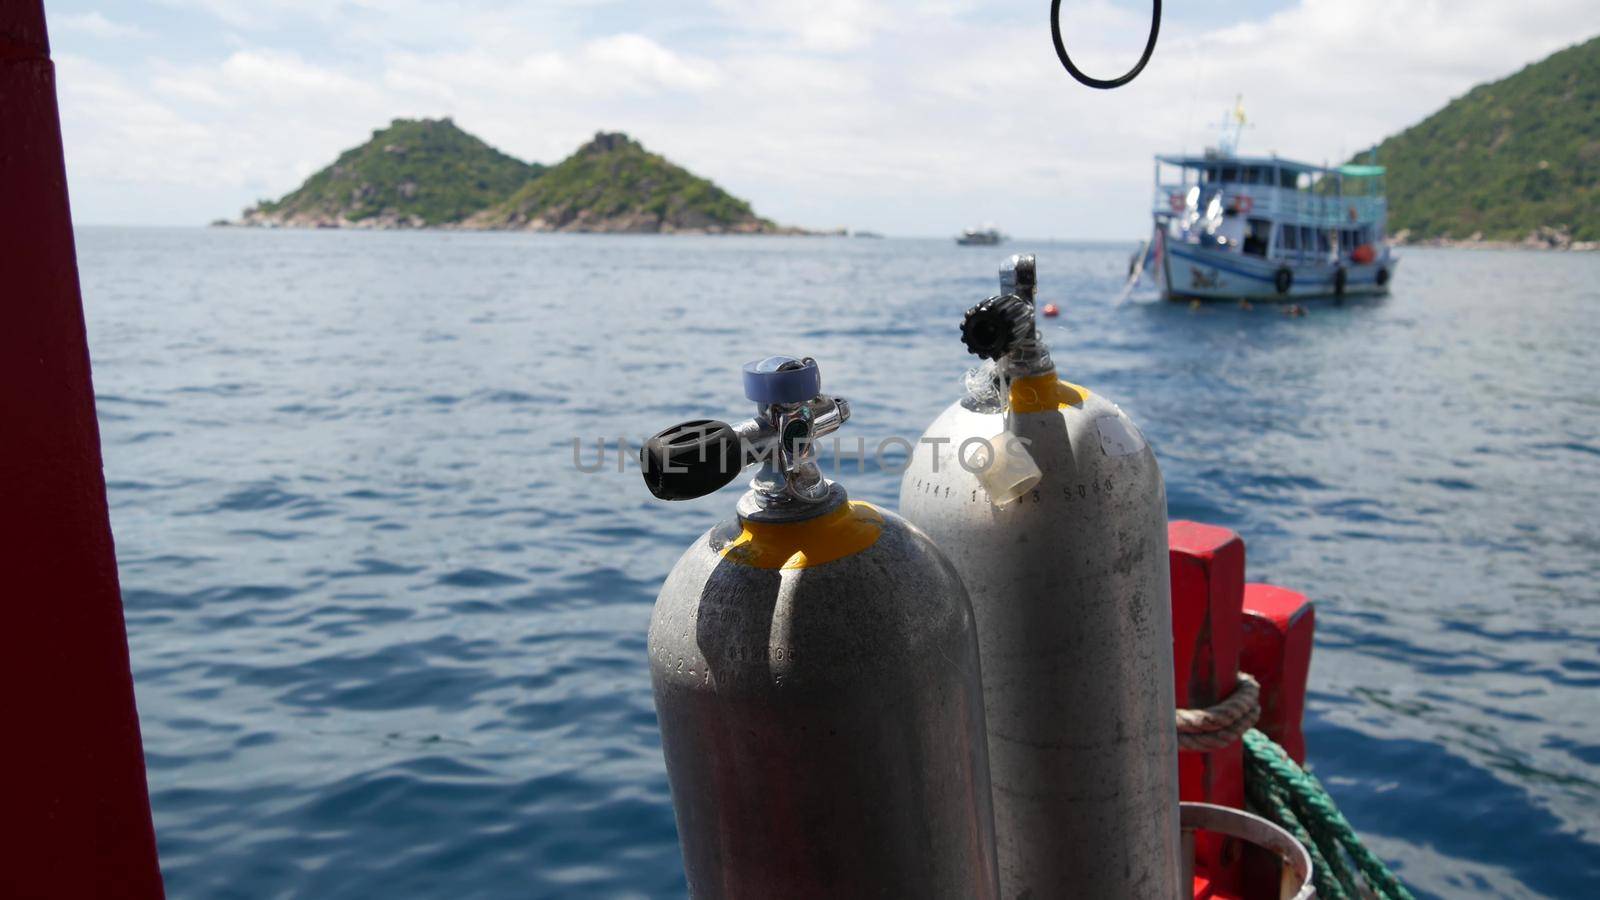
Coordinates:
(1339, 278)
(1283, 279)
(1383, 276)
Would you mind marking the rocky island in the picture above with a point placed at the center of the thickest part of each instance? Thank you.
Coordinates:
(429, 173)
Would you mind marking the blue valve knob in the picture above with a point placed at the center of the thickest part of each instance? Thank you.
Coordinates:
(782, 379)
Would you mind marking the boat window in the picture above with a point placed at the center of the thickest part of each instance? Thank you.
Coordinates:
(1286, 178)
(1252, 175)
(1288, 237)
(1256, 237)
(1324, 240)
(1308, 241)
(1230, 174)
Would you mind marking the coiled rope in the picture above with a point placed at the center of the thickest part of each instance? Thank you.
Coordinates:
(1218, 726)
(1342, 867)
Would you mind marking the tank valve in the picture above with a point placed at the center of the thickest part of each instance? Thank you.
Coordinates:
(992, 328)
(1020, 276)
(701, 456)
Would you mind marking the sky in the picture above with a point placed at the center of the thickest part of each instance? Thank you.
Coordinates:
(909, 117)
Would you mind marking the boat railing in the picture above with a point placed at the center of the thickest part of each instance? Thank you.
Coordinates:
(1280, 204)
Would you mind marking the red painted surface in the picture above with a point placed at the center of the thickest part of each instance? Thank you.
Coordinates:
(76, 819)
(1207, 597)
(1221, 626)
(1278, 629)
(1206, 889)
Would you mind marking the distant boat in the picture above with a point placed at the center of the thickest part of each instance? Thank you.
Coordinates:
(987, 236)
(865, 234)
(1229, 227)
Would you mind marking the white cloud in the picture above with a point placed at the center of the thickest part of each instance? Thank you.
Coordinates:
(256, 14)
(902, 115)
(621, 65)
(116, 132)
(823, 25)
(646, 64)
(271, 79)
(96, 25)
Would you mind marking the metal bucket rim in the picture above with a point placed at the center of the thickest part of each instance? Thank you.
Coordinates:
(1246, 826)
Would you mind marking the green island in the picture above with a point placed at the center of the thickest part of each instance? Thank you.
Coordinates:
(416, 173)
(1515, 161)
(613, 183)
(429, 173)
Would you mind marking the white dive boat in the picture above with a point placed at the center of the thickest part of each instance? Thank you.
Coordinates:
(1233, 227)
(987, 236)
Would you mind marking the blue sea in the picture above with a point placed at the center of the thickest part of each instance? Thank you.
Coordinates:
(389, 639)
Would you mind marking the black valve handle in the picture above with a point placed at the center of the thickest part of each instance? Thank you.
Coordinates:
(691, 460)
(994, 326)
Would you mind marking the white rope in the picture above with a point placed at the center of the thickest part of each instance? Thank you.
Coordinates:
(1218, 726)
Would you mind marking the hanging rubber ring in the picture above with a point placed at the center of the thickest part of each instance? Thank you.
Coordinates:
(1103, 84)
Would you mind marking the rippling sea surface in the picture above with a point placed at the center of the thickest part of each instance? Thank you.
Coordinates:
(388, 640)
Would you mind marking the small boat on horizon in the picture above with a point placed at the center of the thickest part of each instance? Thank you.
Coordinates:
(987, 236)
(1229, 227)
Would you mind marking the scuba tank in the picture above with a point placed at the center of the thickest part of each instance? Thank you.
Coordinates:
(816, 674)
(1049, 502)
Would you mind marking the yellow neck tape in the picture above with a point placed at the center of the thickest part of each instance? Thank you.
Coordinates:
(1045, 393)
(845, 531)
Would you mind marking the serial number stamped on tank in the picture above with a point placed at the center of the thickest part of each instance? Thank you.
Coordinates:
(698, 670)
(1083, 490)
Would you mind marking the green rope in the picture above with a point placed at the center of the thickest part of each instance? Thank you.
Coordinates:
(1295, 799)
(1266, 800)
(1340, 883)
(1274, 806)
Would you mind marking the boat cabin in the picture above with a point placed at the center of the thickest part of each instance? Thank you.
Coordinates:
(1270, 208)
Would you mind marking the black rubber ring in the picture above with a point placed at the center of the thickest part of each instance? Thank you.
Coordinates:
(1103, 84)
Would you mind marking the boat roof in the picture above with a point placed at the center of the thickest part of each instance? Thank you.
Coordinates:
(1200, 162)
(1351, 170)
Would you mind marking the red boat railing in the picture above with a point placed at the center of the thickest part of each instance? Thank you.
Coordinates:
(1221, 626)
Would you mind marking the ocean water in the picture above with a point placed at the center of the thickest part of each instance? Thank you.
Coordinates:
(389, 639)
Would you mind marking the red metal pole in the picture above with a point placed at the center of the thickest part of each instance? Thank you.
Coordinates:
(75, 814)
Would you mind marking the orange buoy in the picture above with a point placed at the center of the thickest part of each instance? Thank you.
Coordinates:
(1051, 310)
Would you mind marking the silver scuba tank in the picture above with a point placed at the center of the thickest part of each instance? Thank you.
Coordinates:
(816, 674)
(1050, 503)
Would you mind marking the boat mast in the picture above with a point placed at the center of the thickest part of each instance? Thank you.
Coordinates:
(1233, 122)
